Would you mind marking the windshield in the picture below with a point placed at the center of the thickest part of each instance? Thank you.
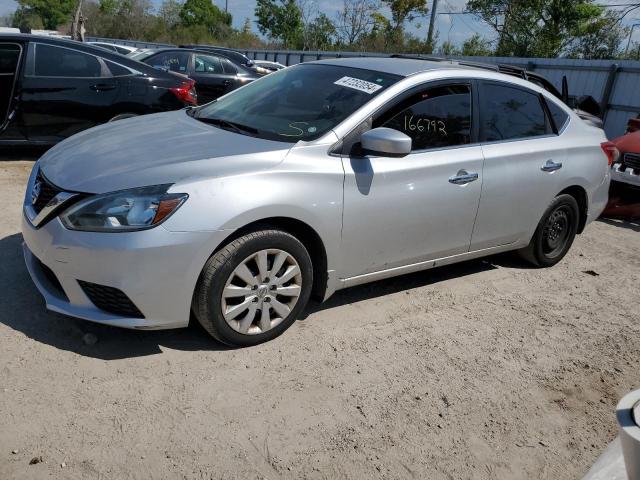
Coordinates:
(298, 103)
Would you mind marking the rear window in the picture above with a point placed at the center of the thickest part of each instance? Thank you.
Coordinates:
(53, 61)
(509, 113)
(9, 55)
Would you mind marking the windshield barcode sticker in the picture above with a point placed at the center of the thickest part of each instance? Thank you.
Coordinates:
(357, 84)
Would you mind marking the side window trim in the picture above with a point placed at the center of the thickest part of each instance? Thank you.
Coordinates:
(31, 71)
(548, 120)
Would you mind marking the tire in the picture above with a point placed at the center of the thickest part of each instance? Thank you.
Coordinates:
(221, 291)
(122, 116)
(555, 233)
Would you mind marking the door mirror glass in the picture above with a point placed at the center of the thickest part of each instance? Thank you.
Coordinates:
(386, 141)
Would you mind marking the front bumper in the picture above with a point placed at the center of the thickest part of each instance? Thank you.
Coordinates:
(157, 269)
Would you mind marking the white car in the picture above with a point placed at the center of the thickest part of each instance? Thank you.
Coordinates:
(315, 178)
(121, 49)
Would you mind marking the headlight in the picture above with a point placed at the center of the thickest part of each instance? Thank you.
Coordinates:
(123, 211)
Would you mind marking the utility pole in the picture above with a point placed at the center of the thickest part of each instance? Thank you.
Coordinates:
(226, 6)
(626, 52)
(432, 21)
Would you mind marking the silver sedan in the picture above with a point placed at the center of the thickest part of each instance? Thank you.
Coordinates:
(316, 178)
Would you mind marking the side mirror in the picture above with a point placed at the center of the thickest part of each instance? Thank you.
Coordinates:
(386, 141)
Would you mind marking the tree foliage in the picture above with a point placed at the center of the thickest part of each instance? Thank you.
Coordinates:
(543, 28)
(50, 13)
(280, 20)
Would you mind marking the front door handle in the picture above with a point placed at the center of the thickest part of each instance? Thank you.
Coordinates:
(226, 83)
(551, 166)
(463, 177)
(102, 87)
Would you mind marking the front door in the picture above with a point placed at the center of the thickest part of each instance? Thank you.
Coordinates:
(10, 54)
(64, 91)
(399, 211)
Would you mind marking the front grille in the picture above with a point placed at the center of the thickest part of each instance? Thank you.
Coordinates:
(110, 300)
(632, 160)
(46, 193)
(53, 280)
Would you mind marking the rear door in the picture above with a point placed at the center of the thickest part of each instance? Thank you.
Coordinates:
(10, 56)
(523, 164)
(212, 80)
(64, 91)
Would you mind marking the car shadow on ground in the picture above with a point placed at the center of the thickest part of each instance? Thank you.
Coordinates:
(22, 309)
(22, 153)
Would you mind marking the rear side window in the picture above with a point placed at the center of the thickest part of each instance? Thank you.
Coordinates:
(9, 55)
(174, 61)
(53, 61)
(229, 68)
(207, 64)
(434, 118)
(509, 113)
(560, 117)
(117, 70)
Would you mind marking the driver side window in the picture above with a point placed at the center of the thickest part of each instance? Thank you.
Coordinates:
(434, 118)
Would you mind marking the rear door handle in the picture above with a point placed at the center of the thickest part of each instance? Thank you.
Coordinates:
(102, 87)
(551, 166)
(463, 177)
(226, 83)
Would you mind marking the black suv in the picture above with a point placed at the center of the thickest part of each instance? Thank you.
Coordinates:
(52, 88)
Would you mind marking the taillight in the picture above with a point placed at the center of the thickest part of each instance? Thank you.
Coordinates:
(186, 92)
(611, 151)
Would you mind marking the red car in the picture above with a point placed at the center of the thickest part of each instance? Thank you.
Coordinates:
(626, 163)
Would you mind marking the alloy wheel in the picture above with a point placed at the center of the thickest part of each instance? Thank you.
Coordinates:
(261, 291)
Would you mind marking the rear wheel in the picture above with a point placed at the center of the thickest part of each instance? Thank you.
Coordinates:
(253, 289)
(555, 232)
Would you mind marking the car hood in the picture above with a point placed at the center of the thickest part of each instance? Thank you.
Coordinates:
(153, 150)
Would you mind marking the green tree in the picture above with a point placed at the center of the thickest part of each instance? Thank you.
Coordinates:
(320, 33)
(280, 20)
(476, 46)
(539, 28)
(169, 13)
(203, 12)
(51, 12)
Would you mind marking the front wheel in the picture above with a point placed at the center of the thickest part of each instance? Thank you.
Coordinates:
(555, 233)
(254, 288)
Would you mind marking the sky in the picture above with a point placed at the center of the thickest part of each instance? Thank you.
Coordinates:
(455, 28)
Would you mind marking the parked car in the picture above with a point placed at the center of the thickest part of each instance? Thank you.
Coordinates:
(271, 66)
(121, 49)
(633, 125)
(312, 179)
(626, 165)
(236, 57)
(214, 74)
(51, 89)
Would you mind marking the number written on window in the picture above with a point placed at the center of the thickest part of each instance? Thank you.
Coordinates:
(433, 118)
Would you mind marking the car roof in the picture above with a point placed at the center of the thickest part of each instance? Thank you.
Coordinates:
(87, 48)
(393, 65)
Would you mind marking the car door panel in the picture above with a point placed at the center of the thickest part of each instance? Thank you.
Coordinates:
(11, 55)
(400, 211)
(516, 190)
(211, 79)
(55, 104)
(523, 165)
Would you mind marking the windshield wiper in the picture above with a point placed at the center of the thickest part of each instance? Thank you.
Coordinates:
(227, 125)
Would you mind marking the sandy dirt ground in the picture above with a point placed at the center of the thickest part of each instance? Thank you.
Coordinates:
(484, 370)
